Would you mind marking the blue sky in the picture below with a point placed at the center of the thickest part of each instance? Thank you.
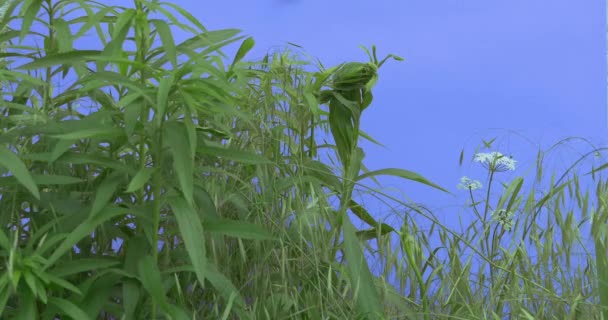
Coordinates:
(527, 72)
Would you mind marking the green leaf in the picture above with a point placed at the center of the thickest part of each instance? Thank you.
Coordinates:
(52, 179)
(132, 110)
(191, 131)
(243, 49)
(4, 242)
(63, 35)
(5, 293)
(74, 158)
(140, 179)
(342, 128)
(176, 137)
(72, 267)
(368, 300)
(105, 191)
(226, 288)
(372, 233)
(601, 264)
(237, 155)
(43, 180)
(32, 282)
(162, 98)
(100, 79)
(62, 283)
(177, 313)
(65, 58)
(137, 248)
(401, 174)
(11, 162)
(68, 308)
(29, 11)
(192, 233)
(186, 14)
(362, 214)
(238, 229)
(61, 147)
(514, 188)
(204, 202)
(90, 133)
(167, 40)
(27, 306)
(83, 230)
(99, 294)
(150, 278)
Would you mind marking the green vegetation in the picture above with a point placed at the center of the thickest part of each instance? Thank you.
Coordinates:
(164, 183)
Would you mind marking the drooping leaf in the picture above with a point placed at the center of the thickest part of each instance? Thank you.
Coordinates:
(162, 98)
(99, 293)
(192, 233)
(105, 191)
(362, 214)
(29, 11)
(237, 229)
(12, 162)
(401, 173)
(70, 57)
(137, 249)
(90, 133)
(243, 49)
(27, 306)
(166, 37)
(71, 267)
(140, 179)
(176, 138)
(61, 147)
(241, 156)
(4, 243)
(151, 280)
(361, 279)
(83, 230)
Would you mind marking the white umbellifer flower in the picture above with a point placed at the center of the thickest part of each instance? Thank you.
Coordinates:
(469, 184)
(495, 161)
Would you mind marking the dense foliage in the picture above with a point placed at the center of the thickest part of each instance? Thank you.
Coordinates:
(145, 179)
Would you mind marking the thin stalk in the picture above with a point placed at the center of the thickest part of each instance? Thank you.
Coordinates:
(141, 37)
(51, 48)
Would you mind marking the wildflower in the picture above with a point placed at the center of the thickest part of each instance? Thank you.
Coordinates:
(504, 217)
(469, 184)
(495, 161)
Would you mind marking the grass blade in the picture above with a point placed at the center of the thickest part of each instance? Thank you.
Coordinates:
(401, 173)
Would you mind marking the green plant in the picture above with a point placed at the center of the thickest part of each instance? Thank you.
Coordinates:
(150, 179)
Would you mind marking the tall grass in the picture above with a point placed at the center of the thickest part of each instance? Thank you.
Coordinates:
(167, 180)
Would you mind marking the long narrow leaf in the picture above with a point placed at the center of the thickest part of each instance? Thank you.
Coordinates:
(11, 162)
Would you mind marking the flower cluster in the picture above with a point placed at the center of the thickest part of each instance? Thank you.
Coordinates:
(469, 184)
(495, 161)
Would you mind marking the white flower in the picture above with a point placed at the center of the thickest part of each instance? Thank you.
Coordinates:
(495, 161)
(469, 184)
